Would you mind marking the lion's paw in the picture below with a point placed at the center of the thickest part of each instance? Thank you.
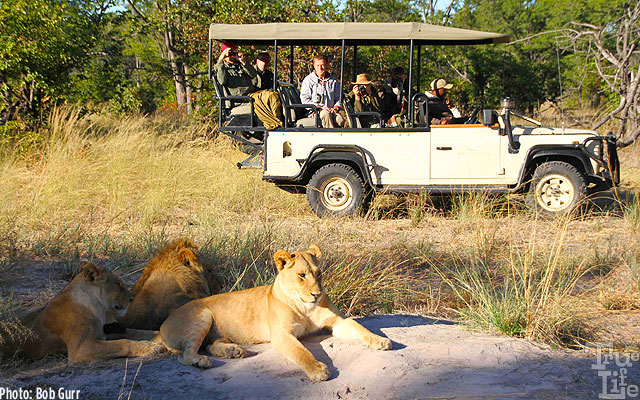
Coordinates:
(146, 348)
(379, 343)
(157, 348)
(319, 372)
(203, 362)
(199, 361)
(234, 351)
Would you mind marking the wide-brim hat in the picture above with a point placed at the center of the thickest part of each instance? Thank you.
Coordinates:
(362, 79)
(440, 83)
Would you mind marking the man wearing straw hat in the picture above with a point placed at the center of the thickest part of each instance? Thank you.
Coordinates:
(364, 97)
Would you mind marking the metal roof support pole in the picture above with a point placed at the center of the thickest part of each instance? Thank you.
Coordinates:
(355, 62)
(341, 70)
(410, 111)
(418, 67)
(275, 64)
(209, 61)
(291, 64)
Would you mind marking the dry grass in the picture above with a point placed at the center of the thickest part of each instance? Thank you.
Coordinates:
(113, 191)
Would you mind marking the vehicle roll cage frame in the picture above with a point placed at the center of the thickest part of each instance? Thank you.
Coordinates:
(413, 43)
(343, 53)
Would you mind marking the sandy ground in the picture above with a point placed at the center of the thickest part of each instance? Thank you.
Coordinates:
(429, 360)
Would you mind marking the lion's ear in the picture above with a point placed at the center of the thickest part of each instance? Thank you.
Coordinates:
(281, 257)
(315, 251)
(187, 257)
(91, 272)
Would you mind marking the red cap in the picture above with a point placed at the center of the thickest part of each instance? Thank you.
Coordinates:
(226, 45)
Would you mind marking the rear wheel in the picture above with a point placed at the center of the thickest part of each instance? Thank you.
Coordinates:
(335, 189)
(556, 189)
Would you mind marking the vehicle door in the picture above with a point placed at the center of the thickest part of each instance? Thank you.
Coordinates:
(465, 154)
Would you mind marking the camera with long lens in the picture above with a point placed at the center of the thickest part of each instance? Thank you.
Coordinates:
(233, 53)
(396, 83)
(362, 88)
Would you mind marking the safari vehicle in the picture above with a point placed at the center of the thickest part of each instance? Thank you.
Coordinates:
(340, 169)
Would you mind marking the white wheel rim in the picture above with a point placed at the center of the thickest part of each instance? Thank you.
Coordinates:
(336, 193)
(555, 192)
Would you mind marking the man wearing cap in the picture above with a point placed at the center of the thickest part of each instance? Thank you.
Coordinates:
(439, 111)
(265, 76)
(323, 89)
(241, 79)
(364, 97)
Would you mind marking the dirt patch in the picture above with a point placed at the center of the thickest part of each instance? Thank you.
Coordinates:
(429, 359)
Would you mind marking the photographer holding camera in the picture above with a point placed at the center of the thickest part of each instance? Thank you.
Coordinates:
(364, 97)
(241, 79)
(394, 94)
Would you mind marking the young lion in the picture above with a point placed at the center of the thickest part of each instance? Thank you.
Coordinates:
(172, 278)
(294, 305)
(72, 322)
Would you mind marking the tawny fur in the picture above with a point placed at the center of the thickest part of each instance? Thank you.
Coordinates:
(294, 305)
(72, 322)
(172, 278)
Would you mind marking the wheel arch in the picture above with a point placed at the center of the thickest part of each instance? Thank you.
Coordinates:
(353, 157)
(539, 155)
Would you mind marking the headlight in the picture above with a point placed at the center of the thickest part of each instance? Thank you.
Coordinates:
(508, 103)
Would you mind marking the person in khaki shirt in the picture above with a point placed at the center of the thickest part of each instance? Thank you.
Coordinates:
(241, 79)
(364, 97)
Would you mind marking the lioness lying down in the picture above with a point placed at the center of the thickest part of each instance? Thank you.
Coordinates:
(294, 305)
(72, 322)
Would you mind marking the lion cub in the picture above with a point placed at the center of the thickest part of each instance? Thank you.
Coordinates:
(172, 278)
(294, 305)
(72, 322)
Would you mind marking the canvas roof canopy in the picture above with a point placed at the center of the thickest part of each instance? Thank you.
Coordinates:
(353, 33)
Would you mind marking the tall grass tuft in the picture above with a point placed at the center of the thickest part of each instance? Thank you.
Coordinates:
(370, 285)
(631, 212)
(106, 171)
(521, 295)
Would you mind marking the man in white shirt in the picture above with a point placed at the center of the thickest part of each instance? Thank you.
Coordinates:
(323, 90)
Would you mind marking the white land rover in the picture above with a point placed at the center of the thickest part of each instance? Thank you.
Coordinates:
(341, 168)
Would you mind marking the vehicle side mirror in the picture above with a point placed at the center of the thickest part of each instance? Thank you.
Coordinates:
(489, 117)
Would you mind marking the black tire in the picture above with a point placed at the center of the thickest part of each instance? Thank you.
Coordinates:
(556, 189)
(336, 190)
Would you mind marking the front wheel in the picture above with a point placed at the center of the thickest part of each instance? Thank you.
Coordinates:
(556, 189)
(335, 189)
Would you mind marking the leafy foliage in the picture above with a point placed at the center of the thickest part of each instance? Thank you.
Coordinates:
(153, 53)
(41, 42)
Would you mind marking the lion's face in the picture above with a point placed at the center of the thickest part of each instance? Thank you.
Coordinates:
(300, 276)
(110, 289)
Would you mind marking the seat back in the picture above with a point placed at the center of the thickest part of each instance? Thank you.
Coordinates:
(289, 95)
(285, 98)
(354, 121)
(221, 91)
(421, 107)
